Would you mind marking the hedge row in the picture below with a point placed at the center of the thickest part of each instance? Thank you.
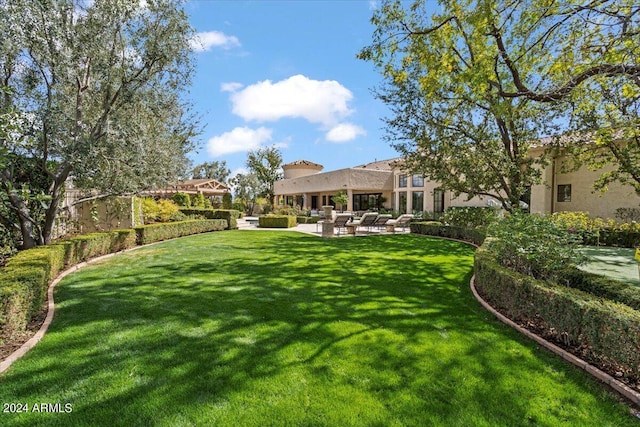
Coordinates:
(277, 221)
(435, 228)
(170, 230)
(606, 331)
(602, 287)
(25, 278)
(307, 219)
(230, 215)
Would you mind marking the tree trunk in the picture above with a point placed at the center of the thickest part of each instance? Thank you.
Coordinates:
(56, 192)
(26, 224)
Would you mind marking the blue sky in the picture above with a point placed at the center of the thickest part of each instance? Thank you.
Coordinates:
(285, 73)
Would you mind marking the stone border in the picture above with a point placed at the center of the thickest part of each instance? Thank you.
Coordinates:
(618, 386)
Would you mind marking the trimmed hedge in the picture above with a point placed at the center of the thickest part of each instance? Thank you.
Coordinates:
(435, 228)
(602, 287)
(606, 332)
(277, 221)
(170, 230)
(25, 278)
(230, 215)
(307, 219)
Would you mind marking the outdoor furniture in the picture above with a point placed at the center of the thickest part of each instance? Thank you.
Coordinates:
(341, 221)
(381, 221)
(401, 222)
(366, 220)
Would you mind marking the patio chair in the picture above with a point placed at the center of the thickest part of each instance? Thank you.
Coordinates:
(341, 222)
(381, 221)
(366, 220)
(402, 221)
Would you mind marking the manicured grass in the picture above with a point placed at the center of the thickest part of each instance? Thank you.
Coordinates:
(255, 328)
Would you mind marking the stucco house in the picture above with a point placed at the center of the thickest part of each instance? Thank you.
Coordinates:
(305, 185)
(367, 186)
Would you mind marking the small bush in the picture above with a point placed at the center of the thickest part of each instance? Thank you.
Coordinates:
(533, 245)
(602, 287)
(307, 219)
(598, 231)
(470, 217)
(182, 200)
(277, 221)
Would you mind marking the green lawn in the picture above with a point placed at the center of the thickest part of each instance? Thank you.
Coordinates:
(256, 328)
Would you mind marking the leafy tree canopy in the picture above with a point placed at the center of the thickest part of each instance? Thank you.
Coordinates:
(96, 88)
(473, 86)
(266, 164)
(212, 170)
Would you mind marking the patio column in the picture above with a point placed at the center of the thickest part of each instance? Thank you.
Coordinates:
(349, 200)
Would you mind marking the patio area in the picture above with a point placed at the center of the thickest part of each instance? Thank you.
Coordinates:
(251, 223)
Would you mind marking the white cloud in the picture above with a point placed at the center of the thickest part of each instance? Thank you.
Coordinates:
(317, 101)
(238, 140)
(230, 86)
(345, 132)
(203, 42)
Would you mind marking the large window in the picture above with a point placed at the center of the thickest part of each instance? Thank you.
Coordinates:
(417, 180)
(365, 202)
(564, 193)
(438, 201)
(402, 202)
(417, 201)
(402, 181)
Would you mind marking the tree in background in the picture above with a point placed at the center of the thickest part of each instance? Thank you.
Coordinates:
(266, 164)
(473, 86)
(92, 93)
(247, 188)
(212, 170)
(341, 199)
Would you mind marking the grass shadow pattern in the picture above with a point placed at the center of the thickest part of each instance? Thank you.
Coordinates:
(279, 328)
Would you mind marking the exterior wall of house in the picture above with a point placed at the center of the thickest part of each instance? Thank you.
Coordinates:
(428, 197)
(321, 186)
(106, 214)
(573, 191)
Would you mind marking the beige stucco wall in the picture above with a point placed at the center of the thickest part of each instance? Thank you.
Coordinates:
(583, 197)
(112, 214)
(353, 181)
(450, 200)
(298, 170)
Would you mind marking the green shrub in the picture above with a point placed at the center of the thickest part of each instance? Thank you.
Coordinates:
(230, 215)
(602, 287)
(150, 210)
(167, 210)
(533, 245)
(182, 200)
(470, 217)
(277, 221)
(158, 232)
(598, 231)
(606, 331)
(227, 201)
(437, 229)
(307, 219)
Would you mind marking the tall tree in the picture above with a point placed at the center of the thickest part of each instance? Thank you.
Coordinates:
(247, 188)
(444, 86)
(212, 170)
(98, 87)
(266, 164)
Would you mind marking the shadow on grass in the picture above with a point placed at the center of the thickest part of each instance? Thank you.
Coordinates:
(241, 328)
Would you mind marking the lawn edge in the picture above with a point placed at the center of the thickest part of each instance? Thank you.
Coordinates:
(607, 379)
